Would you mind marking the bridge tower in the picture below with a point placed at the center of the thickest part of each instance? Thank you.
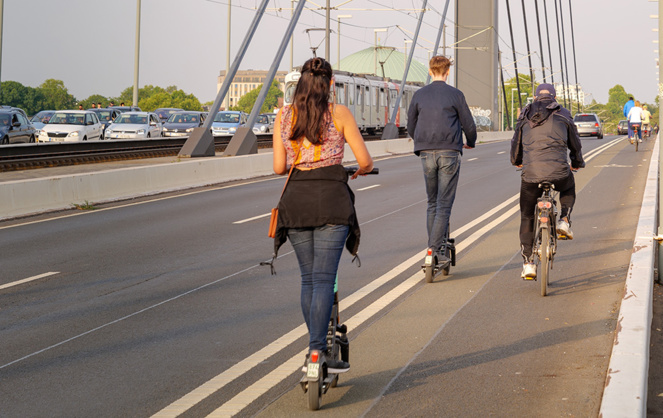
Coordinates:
(476, 64)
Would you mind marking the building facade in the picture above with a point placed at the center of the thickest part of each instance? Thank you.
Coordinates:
(245, 81)
(572, 94)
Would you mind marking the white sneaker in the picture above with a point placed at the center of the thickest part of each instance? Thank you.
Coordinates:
(529, 271)
(564, 230)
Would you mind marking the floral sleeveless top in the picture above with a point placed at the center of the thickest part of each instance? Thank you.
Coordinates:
(329, 152)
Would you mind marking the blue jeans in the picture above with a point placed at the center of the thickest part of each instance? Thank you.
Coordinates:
(441, 171)
(318, 252)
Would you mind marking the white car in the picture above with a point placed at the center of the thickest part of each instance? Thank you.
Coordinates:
(71, 126)
(135, 125)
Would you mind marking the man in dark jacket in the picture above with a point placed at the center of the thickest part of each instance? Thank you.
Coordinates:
(544, 134)
(437, 117)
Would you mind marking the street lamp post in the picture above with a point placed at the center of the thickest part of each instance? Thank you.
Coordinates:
(375, 50)
(227, 106)
(338, 33)
(137, 54)
(406, 41)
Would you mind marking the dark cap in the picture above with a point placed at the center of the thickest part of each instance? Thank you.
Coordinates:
(546, 87)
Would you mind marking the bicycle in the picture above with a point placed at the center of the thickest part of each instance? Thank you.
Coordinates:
(317, 378)
(432, 265)
(545, 235)
(636, 135)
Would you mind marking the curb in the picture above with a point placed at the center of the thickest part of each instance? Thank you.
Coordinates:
(625, 393)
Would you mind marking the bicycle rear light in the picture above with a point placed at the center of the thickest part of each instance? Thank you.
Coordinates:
(314, 356)
(543, 219)
(542, 205)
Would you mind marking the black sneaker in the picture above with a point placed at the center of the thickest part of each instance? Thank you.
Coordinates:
(337, 366)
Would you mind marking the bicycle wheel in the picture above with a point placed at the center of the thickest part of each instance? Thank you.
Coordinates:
(314, 394)
(545, 260)
(635, 141)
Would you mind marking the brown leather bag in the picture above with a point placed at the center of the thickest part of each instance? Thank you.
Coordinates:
(275, 211)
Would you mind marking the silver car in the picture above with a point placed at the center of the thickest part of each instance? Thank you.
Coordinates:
(135, 125)
(588, 124)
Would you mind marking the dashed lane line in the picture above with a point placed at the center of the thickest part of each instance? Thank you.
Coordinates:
(29, 279)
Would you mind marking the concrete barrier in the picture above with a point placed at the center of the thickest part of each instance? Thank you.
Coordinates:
(625, 393)
(28, 197)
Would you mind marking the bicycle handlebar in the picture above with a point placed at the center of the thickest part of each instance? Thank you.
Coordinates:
(353, 169)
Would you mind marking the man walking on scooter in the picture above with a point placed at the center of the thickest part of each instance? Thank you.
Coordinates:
(437, 117)
(544, 134)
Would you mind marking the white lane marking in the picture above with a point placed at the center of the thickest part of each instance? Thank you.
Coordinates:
(248, 395)
(253, 219)
(29, 279)
(501, 152)
(368, 187)
(257, 389)
(472, 159)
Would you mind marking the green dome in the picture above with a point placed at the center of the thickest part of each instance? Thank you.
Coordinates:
(363, 62)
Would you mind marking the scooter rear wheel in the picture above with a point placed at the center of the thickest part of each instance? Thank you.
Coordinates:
(314, 393)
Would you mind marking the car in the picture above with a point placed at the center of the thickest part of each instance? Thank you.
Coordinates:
(41, 118)
(262, 125)
(227, 122)
(15, 127)
(622, 127)
(165, 112)
(106, 117)
(588, 124)
(182, 123)
(135, 125)
(71, 126)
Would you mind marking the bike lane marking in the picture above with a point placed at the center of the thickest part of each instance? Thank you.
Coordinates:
(29, 279)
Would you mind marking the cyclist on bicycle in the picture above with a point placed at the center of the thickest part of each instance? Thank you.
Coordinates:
(635, 121)
(437, 117)
(646, 120)
(544, 134)
(627, 106)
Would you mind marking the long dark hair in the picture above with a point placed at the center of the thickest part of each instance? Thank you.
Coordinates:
(311, 100)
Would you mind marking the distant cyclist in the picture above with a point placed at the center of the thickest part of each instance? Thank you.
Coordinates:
(437, 117)
(544, 134)
(627, 107)
(646, 120)
(635, 120)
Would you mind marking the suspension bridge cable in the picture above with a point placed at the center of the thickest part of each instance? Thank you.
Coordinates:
(538, 29)
(566, 57)
(559, 43)
(529, 54)
(552, 72)
(575, 64)
(513, 48)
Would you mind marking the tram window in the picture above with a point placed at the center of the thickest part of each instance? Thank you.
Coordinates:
(340, 93)
(351, 94)
(360, 101)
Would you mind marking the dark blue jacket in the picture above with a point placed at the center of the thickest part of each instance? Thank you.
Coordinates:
(438, 116)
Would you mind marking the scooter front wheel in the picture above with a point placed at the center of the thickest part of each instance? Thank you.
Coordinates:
(428, 271)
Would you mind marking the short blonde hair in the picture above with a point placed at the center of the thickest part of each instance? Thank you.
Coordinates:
(439, 65)
(637, 103)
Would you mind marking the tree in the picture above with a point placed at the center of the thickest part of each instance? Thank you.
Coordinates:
(27, 98)
(153, 97)
(526, 94)
(247, 101)
(57, 96)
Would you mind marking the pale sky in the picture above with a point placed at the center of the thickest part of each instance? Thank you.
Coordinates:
(89, 44)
